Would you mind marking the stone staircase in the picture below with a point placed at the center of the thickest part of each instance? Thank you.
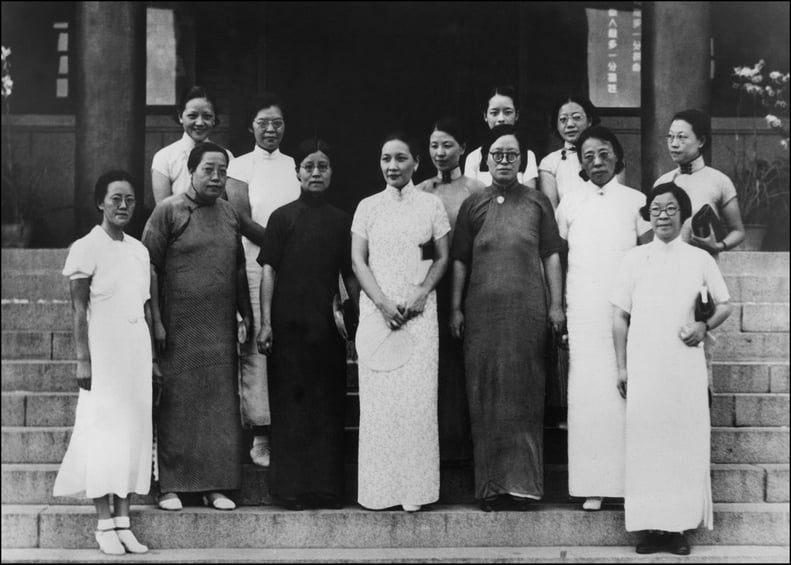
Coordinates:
(750, 460)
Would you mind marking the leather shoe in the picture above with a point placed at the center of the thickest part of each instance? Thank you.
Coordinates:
(678, 544)
(652, 543)
(490, 504)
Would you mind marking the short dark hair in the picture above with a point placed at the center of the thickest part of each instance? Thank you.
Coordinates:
(701, 125)
(605, 134)
(262, 102)
(197, 92)
(684, 203)
(496, 133)
(587, 105)
(310, 146)
(199, 150)
(104, 181)
(452, 126)
(411, 142)
(503, 90)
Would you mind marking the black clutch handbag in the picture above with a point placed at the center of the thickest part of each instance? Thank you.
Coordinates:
(704, 305)
(705, 221)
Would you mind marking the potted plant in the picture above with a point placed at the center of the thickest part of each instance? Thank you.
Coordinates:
(762, 183)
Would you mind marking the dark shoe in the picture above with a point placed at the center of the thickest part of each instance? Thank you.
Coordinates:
(292, 504)
(652, 543)
(490, 504)
(678, 544)
(519, 503)
(326, 501)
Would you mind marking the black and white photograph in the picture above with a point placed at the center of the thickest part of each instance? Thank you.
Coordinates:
(395, 282)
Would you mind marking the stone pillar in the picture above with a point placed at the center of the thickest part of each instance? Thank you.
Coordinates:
(110, 88)
(675, 75)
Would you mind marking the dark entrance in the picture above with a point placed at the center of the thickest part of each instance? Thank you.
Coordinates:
(353, 72)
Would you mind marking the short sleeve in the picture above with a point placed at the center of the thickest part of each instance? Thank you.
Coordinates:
(550, 241)
(714, 280)
(274, 240)
(531, 170)
(361, 220)
(156, 235)
(461, 246)
(472, 164)
(238, 171)
(562, 217)
(728, 191)
(549, 164)
(440, 225)
(623, 285)
(81, 261)
(160, 162)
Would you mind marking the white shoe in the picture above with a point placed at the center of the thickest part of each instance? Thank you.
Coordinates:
(218, 501)
(169, 501)
(109, 543)
(410, 507)
(260, 451)
(129, 541)
(593, 503)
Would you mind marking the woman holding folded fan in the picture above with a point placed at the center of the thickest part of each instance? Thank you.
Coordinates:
(399, 254)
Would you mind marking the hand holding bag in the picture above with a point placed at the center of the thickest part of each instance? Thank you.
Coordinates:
(705, 221)
(704, 305)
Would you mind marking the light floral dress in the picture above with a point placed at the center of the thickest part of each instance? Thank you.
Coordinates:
(399, 444)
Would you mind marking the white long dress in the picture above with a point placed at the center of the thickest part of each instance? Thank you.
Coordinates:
(110, 447)
(600, 225)
(399, 439)
(668, 485)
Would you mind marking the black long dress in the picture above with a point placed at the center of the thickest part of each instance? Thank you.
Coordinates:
(307, 243)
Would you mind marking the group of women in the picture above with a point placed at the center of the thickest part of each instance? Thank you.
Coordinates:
(462, 279)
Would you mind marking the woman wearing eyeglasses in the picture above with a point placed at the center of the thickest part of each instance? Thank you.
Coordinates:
(506, 237)
(306, 246)
(689, 132)
(198, 114)
(259, 182)
(600, 222)
(500, 110)
(662, 376)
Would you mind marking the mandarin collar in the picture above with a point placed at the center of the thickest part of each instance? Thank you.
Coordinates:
(188, 142)
(602, 190)
(659, 246)
(499, 189)
(193, 196)
(697, 164)
(311, 199)
(107, 235)
(454, 174)
(404, 192)
(261, 153)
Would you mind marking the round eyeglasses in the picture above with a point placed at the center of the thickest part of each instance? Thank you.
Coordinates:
(670, 210)
(310, 167)
(509, 156)
(264, 124)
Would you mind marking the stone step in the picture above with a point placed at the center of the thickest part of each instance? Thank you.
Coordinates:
(31, 483)
(761, 263)
(751, 376)
(771, 375)
(758, 287)
(741, 346)
(728, 445)
(746, 317)
(59, 344)
(58, 408)
(35, 284)
(558, 554)
(56, 314)
(72, 527)
(33, 259)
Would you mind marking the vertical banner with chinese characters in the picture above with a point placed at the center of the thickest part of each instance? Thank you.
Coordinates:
(614, 56)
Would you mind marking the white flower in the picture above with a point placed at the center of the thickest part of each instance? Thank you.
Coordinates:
(6, 52)
(773, 121)
(757, 79)
(8, 86)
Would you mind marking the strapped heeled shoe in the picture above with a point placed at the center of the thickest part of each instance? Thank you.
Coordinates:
(592, 503)
(109, 543)
(126, 537)
(170, 501)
